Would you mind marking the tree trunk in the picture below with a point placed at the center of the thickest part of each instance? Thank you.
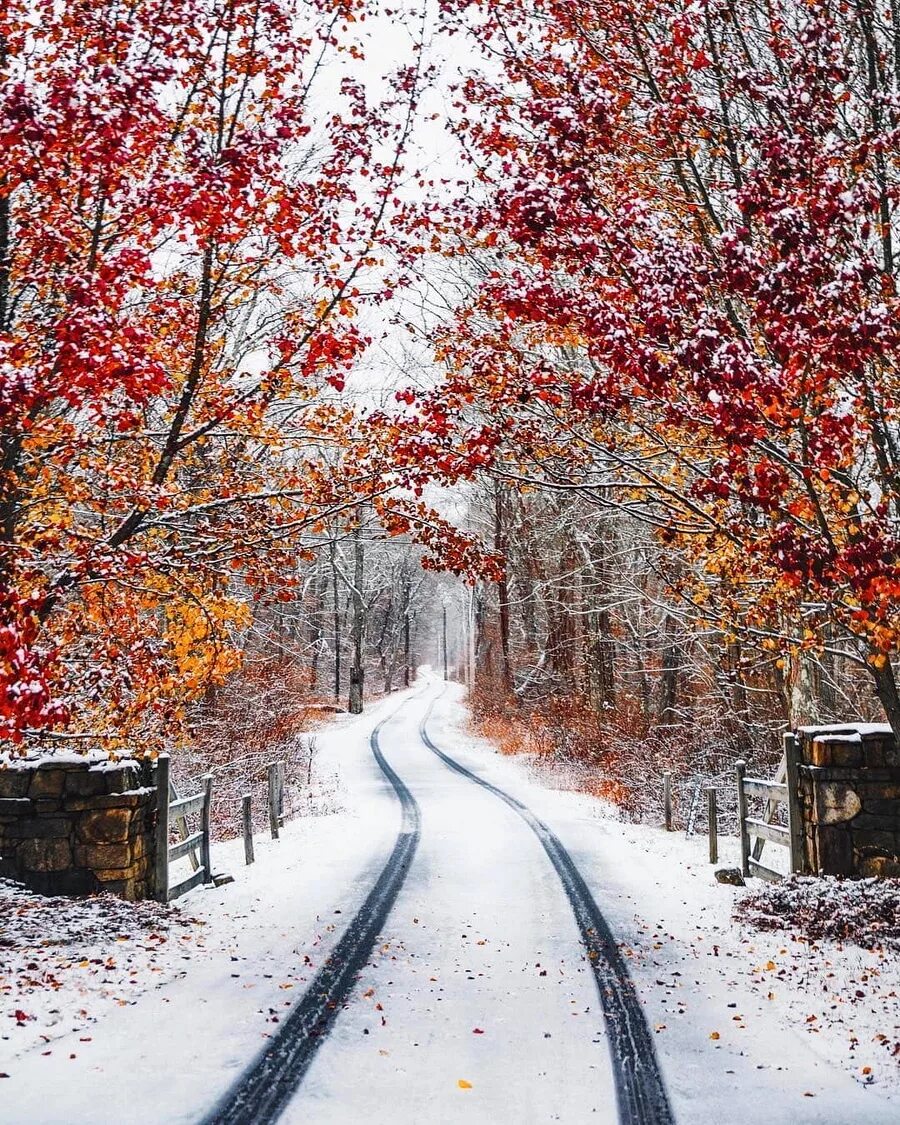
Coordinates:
(444, 639)
(502, 590)
(336, 621)
(802, 694)
(671, 663)
(357, 672)
(827, 676)
(406, 650)
(738, 721)
(599, 650)
(886, 690)
(320, 585)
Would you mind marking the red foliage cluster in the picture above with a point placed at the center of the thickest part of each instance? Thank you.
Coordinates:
(688, 286)
(25, 697)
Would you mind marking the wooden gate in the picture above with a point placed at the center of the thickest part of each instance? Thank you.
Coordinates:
(783, 790)
(196, 844)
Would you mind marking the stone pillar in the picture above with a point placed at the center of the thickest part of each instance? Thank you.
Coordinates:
(850, 794)
(76, 826)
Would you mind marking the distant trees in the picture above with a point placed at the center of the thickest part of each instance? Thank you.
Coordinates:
(358, 619)
(365, 601)
(608, 653)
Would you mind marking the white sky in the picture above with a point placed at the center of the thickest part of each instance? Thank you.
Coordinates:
(396, 357)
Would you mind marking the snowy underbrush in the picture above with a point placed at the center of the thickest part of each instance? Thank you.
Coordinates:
(269, 712)
(864, 912)
(614, 754)
(63, 961)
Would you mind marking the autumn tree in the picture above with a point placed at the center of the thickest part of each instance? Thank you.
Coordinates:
(192, 202)
(685, 308)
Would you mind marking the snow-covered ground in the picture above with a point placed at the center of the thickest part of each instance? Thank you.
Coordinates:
(477, 1005)
(744, 1018)
(201, 1007)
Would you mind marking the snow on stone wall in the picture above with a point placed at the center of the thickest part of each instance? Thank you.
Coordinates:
(75, 826)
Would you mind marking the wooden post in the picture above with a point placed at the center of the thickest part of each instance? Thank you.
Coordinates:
(162, 828)
(713, 818)
(247, 819)
(740, 769)
(281, 794)
(795, 809)
(667, 799)
(273, 800)
(205, 859)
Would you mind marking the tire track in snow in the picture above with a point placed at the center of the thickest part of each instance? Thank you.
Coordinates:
(263, 1091)
(640, 1090)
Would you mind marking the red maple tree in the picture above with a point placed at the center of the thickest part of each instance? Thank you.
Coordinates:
(686, 300)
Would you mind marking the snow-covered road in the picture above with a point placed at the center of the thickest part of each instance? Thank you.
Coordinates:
(477, 1002)
(479, 985)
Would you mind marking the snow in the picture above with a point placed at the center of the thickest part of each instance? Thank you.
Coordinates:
(479, 978)
(857, 729)
(97, 759)
(66, 962)
(797, 1028)
(864, 912)
(203, 1006)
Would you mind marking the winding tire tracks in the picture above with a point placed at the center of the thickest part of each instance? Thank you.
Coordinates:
(640, 1090)
(261, 1093)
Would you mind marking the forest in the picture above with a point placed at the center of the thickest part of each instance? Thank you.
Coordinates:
(575, 324)
(449, 562)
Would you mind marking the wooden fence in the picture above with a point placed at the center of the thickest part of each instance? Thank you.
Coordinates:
(176, 811)
(194, 844)
(782, 791)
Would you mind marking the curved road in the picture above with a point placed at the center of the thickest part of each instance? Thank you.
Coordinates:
(478, 982)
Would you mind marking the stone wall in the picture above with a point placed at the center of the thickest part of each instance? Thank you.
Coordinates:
(78, 826)
(850, 791)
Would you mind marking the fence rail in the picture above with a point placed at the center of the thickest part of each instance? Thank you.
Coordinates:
(783, 790)
(184, 806)
(195, 844)
(771, 790)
